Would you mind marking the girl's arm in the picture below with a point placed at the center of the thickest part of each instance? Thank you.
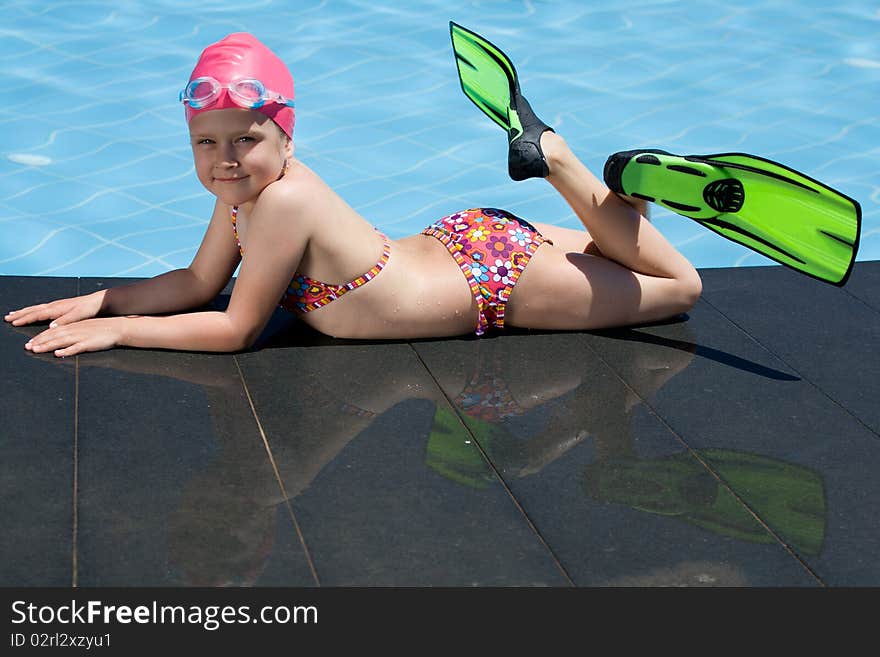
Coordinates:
(273, 254)
(181, 289)
(173, 291)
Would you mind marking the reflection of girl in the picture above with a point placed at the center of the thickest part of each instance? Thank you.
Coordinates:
(220, 537)
(476, 269)
(527, 410)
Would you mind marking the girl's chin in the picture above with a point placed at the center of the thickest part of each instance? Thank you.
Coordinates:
(231, 192)
(230, 197)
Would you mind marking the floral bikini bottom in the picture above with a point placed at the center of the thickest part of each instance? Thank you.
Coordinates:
(492, 247)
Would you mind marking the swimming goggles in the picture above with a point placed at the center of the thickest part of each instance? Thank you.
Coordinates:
(248, 93)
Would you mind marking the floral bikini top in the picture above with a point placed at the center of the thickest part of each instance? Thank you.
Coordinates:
(305, 294)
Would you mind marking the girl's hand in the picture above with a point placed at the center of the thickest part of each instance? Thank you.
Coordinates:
(76, 338)
(62, 311)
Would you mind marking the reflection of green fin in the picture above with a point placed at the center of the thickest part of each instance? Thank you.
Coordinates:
(449, 455)
(489, 79)
(790, 498)
(776, 211)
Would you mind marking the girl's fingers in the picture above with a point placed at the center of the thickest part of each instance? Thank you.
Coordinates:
(21, 321)
(75, 338)
(40, 346)
(29, 315)
(49, 341)
(65, 342)
(27, 309)
(15, 317)
(38, 313)
(60, 347)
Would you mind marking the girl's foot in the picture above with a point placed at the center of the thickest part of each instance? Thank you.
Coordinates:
(525, 158)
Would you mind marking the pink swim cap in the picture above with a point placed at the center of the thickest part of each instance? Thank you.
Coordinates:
(240, 56)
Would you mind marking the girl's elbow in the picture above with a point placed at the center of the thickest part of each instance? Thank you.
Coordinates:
(240, 330)
(244, 337)
(241, 341)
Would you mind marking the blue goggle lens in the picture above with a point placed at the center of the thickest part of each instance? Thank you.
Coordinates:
(248, 93)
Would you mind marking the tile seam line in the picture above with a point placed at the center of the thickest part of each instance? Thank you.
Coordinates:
(785, 546)
(277, 473)
(75, 537)
(497, 473)
(868, 305)
(792, 368)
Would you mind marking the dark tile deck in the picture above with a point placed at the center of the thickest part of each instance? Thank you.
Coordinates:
(737, 447)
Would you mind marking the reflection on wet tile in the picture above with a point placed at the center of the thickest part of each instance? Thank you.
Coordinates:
(36, 447)
(614, 493)
(822, 331)
(802, 463)
(386, 473)
(175, 485)
(390, 489)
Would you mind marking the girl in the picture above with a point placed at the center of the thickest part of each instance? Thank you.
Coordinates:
(299, 242)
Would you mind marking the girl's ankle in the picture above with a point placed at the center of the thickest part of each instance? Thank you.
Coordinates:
(555, 150)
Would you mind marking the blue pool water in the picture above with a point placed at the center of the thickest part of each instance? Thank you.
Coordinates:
(96, 177)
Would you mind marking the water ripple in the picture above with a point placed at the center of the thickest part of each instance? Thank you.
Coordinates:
(97, 173)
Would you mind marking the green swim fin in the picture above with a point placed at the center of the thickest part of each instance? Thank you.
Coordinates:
(765, 206)
(489, 79)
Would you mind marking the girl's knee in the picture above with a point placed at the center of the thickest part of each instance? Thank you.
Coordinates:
(690, 287)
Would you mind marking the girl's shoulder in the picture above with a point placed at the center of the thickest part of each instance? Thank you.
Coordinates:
(304, 199)
(299, 193)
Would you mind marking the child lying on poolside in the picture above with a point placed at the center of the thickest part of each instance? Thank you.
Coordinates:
(299, 242)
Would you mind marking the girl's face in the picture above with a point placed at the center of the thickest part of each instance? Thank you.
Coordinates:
(237, 153)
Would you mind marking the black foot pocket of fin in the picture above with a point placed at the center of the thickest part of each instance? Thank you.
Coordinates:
(525, 159)
(616, 163)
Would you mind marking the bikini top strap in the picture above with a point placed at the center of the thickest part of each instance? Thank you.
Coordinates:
(344, 287)
(235, 229)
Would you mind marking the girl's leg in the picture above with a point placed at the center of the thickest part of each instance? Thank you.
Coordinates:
(620, 232)
(627, 274)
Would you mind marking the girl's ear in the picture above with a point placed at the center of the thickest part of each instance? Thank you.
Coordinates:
(288, 156)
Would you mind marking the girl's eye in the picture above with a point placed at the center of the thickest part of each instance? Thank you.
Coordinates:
(246, 138)
(205, 141)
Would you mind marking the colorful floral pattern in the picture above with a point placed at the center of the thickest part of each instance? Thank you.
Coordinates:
(499, 246)
(517, 236)
(478, 234)
(492, 247)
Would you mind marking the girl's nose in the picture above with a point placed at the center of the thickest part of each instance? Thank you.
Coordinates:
(227, 158)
